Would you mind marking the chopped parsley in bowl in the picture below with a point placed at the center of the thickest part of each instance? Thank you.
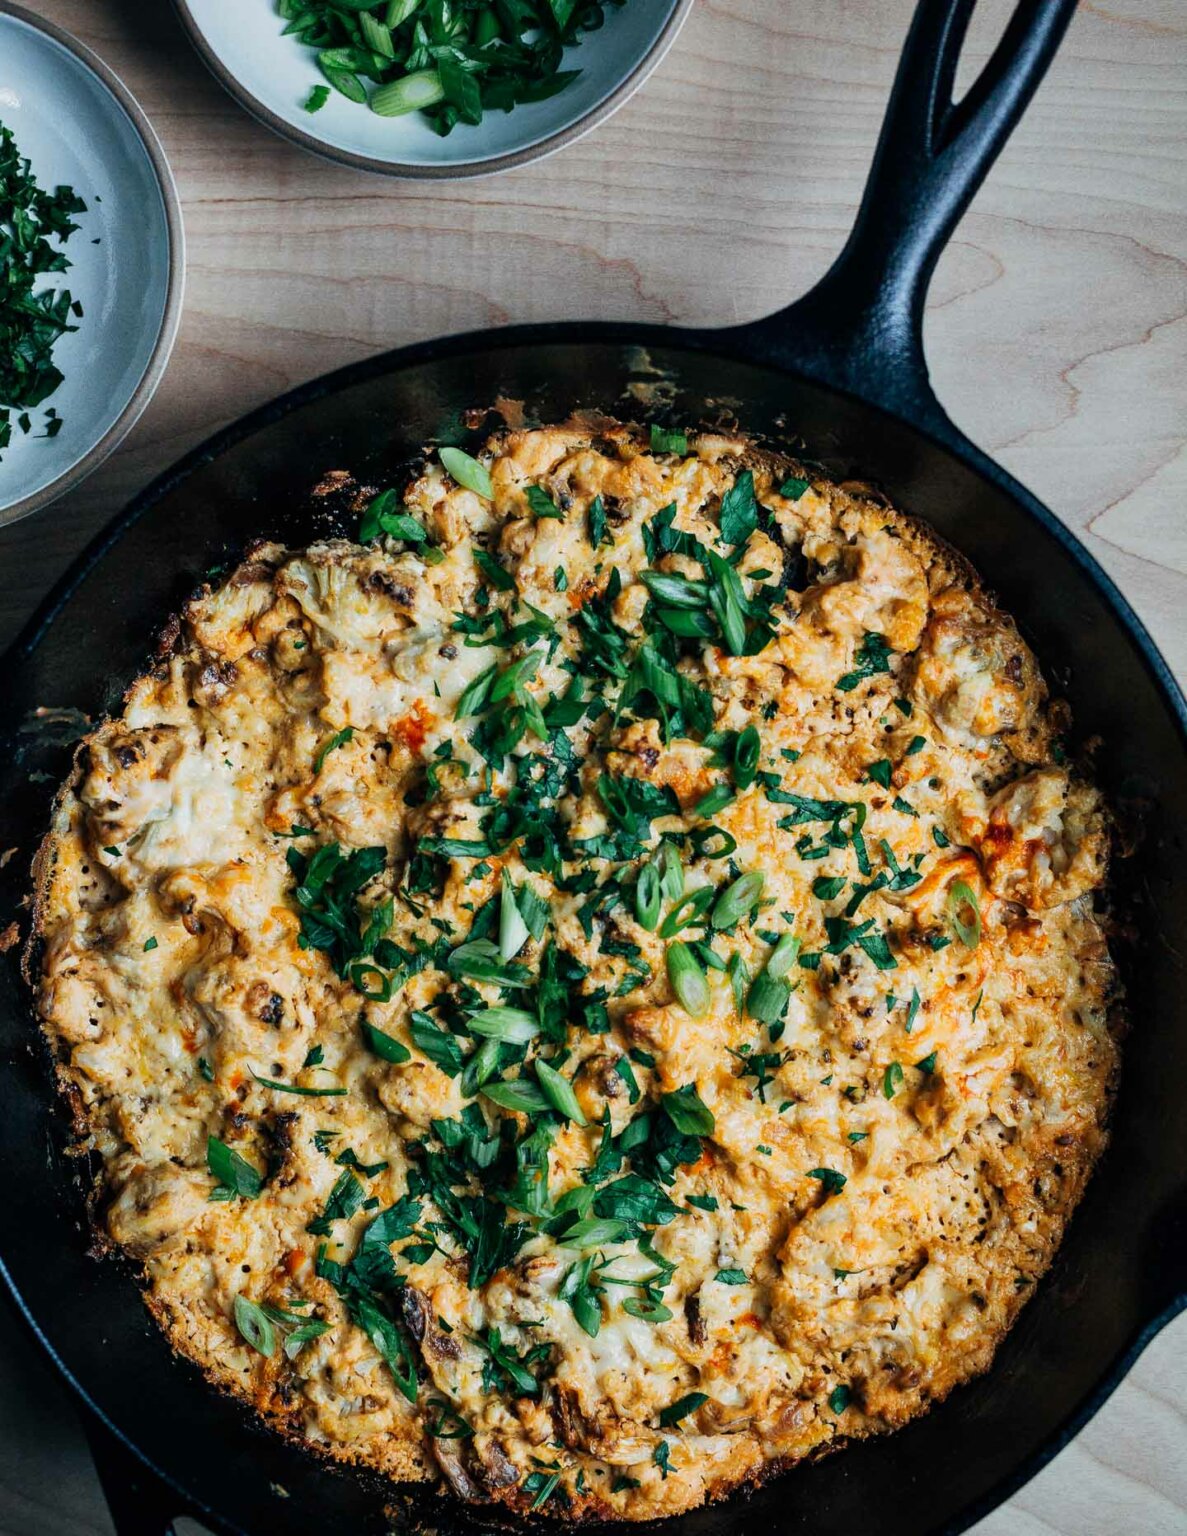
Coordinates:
(88, 314)
(35, 224)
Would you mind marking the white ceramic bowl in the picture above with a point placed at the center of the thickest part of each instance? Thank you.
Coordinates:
(272, 76)
(79, 126)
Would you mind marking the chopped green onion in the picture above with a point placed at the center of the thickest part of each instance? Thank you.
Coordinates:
(737, 899)
(671, 870)
(962, 899)
(513, 931)
(519, 1095)
(770, 992)
(676, 591)
(768, 999)
(739, 975)
(648, 897)
(593, 1232)
(255, 1326)
(384, 1045)
(376, 36)
(534, 910)
(515, 1025)
(747, 751)
(716, 800)
(344, 80)
(558, 1091)
(411, 93)
(690, 909)
(475, 696)
(783, 956)
(465, 469)
(382, 989)
(688, 980)
(480, 1068)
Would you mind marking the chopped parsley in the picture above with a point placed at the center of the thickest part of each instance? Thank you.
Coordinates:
(681, 1408)
(872, 657)
(308, 1093)
(831, 1181)
(879, 772)
(541, 504)
(328, 883)
(507, 1372)
(235, 1175)
(739, 510)
(339, 739)
(668, 440)
(384, 514)
(35, 225)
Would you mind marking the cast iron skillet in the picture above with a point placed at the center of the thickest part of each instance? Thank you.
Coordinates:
(845, 369)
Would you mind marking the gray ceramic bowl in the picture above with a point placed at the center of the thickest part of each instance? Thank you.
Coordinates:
(78, 125)
(272, 76)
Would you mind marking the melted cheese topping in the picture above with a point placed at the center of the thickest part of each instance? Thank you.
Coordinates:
(881, 1161)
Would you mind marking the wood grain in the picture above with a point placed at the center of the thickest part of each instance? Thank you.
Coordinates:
(1057, 334)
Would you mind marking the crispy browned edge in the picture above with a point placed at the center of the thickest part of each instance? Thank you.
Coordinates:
(287, 1422)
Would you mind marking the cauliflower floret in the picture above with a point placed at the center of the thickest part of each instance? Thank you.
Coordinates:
(1045, 843)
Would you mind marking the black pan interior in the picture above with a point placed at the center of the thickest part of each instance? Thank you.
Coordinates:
(1124, 1264)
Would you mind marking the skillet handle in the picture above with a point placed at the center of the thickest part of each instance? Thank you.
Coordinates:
(861, 328)
(140, 1504)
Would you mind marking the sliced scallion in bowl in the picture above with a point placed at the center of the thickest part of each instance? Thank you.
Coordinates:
(451, 60)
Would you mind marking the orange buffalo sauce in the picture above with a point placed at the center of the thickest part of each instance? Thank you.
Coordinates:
(413, 728)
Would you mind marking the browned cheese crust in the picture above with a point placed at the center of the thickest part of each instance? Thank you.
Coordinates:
(639, 1192)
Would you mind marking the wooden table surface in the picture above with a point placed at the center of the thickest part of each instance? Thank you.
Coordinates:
(1057, 334)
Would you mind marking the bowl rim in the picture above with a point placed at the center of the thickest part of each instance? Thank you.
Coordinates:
(175, 282)
(410, 170)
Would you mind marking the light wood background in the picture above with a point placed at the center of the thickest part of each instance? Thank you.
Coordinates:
(1057, 334)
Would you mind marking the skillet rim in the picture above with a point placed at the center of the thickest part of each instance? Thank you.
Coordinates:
(734, 343)
(943, 435)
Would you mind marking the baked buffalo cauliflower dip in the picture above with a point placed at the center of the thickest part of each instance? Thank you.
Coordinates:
(597, 990)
